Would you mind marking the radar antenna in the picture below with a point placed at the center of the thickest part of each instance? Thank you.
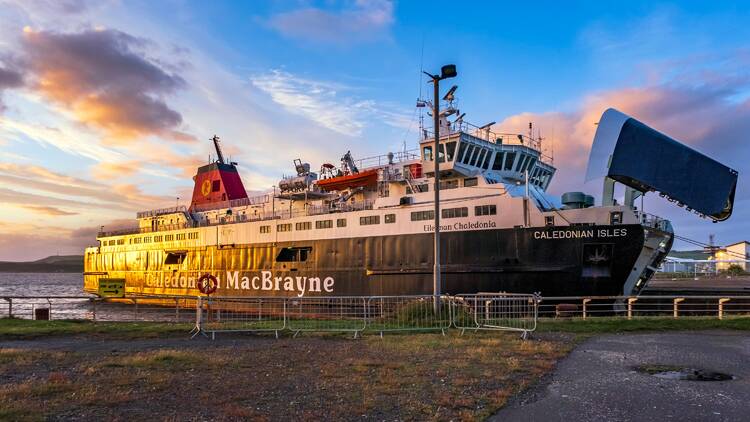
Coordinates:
(218, 150)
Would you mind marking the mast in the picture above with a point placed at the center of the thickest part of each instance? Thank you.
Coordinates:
(218, 150)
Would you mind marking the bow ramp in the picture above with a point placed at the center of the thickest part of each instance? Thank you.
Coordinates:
(627, 151)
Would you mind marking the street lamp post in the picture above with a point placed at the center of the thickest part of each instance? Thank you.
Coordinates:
(447, 71)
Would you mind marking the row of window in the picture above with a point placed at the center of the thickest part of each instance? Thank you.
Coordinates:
(389, 218)
(444, 184)
(150, 239)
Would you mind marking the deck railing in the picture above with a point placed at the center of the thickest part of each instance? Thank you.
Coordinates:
(279, 214)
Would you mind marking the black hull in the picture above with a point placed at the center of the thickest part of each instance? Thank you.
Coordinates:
(554, 261)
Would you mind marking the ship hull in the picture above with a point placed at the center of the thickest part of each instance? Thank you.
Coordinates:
(554, 261)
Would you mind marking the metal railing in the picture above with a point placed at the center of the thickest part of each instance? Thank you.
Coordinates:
(169, 309)
(630, 307)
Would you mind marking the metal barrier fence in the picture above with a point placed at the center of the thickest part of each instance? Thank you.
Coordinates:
(359, 314)
(408, 313)
(496, 311)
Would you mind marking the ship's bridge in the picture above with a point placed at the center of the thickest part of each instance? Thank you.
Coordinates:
(505, 158)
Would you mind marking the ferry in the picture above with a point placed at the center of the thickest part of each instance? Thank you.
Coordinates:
(366, 227)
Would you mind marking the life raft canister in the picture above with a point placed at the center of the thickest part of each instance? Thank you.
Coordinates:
(207, 284)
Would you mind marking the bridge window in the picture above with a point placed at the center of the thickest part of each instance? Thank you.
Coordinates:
(455, 212)
(510, 157)
(486, 163)
(477, 153)
(467, 157)
(549, 220)
(341, 222)
(530, 163)
(422, 215)
(390, 218)
(427, 153)
(450, 149)
(521, 162)
(284, 227)
(265, 229)
(485, 210)
(498, 163)
(615, 217)
(461, 151)
(470, 181)
(294, 254)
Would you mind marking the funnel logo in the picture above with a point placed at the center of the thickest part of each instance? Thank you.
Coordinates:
(206, 187)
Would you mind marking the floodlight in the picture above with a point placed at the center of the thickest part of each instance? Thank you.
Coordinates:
(448, 71)
(449, 95)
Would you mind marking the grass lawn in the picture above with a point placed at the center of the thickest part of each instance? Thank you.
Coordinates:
(150, 371)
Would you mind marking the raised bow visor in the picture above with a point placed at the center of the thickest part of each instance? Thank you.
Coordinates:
(645, 159)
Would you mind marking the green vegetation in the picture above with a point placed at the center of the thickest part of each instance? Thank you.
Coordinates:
(11, 328)
(618, 325)
(734, 270)
(26, 329)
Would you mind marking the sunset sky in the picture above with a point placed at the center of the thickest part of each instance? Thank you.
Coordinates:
(107, 107)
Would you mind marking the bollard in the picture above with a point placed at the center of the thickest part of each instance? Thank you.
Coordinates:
(585, 301)
(676, 306)
(631, 301)
(722, 301)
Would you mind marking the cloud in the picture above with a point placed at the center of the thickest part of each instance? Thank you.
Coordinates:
(37, 185)
(322, 103)
(366, 20)
(115, 170)
(106, 81)
(50, 211)
(9, 78)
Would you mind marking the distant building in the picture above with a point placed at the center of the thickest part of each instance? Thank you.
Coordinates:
(738, 252)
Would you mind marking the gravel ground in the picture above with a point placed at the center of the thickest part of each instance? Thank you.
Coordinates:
(598, 381)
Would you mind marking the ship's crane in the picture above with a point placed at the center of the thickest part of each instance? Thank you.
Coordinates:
(347, 164)
(218, 150)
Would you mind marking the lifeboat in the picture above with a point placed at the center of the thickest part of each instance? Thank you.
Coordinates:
(355, 180)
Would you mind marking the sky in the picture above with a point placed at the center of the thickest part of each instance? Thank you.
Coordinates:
(107, 107)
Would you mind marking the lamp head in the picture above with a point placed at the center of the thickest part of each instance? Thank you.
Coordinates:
(448, 71)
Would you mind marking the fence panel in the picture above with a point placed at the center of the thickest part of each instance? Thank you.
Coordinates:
(250, 314)
(496, 311)
(327, 314)
(408, 313)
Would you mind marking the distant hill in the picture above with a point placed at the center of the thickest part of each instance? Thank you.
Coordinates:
(50, 264)
(699, 254)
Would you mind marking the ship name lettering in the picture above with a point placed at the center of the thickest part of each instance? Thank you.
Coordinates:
(267, 281)
(580, 234)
